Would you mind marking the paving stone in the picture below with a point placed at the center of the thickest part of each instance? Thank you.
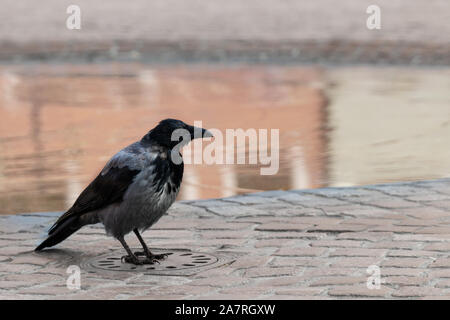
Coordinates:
(362, 262)
(210, 224)
(248, 200)
(223, 296)
(359, 291)
(233, 211)
(324, 271)
(313, 244)
(358, 252)
(338, 280)
(224, 281)
(399, 190)
(31, 259)
(358, 210)
(425, 213)
(221, 243)
(273, 243)
(309, 200)
(278, 226)
(390, 203)
(405, 262)
(270, 272)
(300, 291)
(405, 281)
(337, 228)
(445, 246)
(293, 297)
(440, 273)
(317, 220)
(443, 204)
(416, 291)
(422, 237)
(395, 244)
(14, 250)
(414, 222)
(209, 203)
(411, 253)
(8, 285)
(297, 261)
(428, 197)
(158, 297)
(290, 235)
(226, 234)
(443, 283)
(394, 229)
(286, 281)
(408, 272)
(259, 290)
(337, 243)
(300, 252)
(365, 236)
(435, 230)
(251, 261)
(18, 268)
(344, 192)
(184, 289)
(270, 194)
(5, 259)
(441, 263)
(50, 291)
(437, 297)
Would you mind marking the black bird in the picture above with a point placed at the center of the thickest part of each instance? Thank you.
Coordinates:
(134, 189)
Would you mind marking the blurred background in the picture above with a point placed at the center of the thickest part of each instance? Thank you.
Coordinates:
(354, 106)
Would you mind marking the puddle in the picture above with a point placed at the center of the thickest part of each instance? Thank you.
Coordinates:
(59, 124)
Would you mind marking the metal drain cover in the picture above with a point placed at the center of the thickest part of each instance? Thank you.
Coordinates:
(179, 262)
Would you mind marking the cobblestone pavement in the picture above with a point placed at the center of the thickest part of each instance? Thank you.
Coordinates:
(309, 244)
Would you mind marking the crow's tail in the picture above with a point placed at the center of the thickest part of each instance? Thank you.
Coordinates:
(60, 231)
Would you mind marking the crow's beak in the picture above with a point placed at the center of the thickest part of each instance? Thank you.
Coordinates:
(197, 132)
(206, 133)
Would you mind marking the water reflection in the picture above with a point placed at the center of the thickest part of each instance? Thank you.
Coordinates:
(59, 124)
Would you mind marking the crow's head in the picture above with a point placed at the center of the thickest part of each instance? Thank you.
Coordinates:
(171, 132)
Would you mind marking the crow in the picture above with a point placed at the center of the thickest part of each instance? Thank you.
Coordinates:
(134, 189)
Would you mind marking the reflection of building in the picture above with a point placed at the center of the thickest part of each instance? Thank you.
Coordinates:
(58, 125)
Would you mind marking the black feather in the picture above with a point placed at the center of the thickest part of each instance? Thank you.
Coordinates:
(103, 191)
(165, 169)
(61, 232)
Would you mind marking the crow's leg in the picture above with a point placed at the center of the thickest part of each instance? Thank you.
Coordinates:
(152, 257)
(130, 258)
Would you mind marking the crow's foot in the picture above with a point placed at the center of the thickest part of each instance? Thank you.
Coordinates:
(133, 260)
(151, 256)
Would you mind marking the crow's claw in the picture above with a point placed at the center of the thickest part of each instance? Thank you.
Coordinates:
(132, 259)
(151, 256)
(151, 261)
(161, 256)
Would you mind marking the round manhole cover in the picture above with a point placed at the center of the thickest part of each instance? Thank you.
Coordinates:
(178, 262)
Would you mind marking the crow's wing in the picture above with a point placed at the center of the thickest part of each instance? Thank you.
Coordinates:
(109, 186)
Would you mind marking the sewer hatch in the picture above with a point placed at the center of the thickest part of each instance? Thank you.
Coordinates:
(178, 262)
